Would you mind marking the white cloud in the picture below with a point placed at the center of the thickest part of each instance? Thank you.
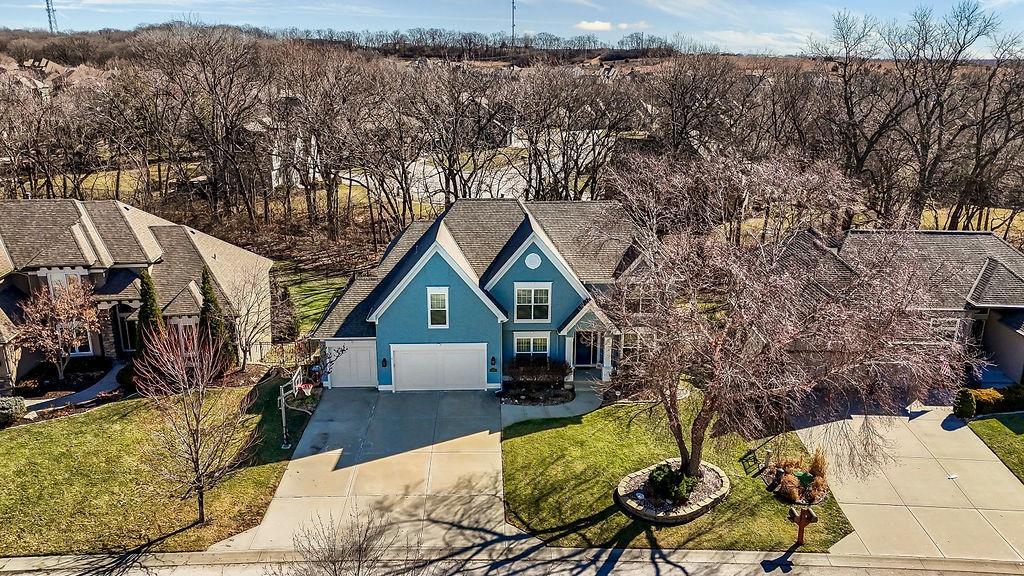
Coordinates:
(640, 25)
(789, 42)
(602, 26)
(593, 25)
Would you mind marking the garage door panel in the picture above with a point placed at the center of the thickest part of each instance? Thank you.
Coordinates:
(440, 367)
(356, 366)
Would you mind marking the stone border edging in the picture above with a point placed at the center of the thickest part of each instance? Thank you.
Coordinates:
(680, 516)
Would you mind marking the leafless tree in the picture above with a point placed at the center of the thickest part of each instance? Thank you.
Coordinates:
(252, 303)
(770, 327)
(204, 433)
(58, 320)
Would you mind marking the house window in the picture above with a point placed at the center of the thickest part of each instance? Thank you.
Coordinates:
(85, 349)
(61, 278)
(437, 307)
(531, 344)
(533, 301)
(630, 344)
(128, 327)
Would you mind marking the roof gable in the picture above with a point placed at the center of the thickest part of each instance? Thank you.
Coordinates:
(437, 249)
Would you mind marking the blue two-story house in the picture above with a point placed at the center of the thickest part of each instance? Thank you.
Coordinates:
(454, 299)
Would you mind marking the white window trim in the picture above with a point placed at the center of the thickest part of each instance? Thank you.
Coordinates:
(516, 336)
(122, 329)
(431, 290)
(87, 344)
(516, 287)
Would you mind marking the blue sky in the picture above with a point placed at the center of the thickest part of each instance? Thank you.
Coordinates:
(780, 27)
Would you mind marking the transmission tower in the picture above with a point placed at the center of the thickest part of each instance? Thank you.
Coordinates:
(513, 22)
(51, 15)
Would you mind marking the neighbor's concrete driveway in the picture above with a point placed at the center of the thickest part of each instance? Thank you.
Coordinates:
(429, 461)
(944, 493)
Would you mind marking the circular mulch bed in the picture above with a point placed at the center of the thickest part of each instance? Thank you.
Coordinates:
(633, 495)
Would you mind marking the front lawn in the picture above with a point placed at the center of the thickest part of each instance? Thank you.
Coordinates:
(560, 474)
(79, 484)
(1004, 435)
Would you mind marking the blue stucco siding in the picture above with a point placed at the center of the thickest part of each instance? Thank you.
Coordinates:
(564, 302)
(469, 319)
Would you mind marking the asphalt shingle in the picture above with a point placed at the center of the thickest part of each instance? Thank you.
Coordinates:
(593, 237)
(960, 261)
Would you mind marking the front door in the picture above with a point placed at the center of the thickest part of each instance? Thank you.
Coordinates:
(588, 348)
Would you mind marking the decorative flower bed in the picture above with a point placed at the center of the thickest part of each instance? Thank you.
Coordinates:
(796, 482)
(636, 497)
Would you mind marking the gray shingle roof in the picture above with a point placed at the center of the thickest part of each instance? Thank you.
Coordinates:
(346, 317)
(177, 277)
(64, 232)
(593, 237)
(118, 237)
(962, 262)
(482, 227)
(40, 233)
(997, 286)
(121, 284)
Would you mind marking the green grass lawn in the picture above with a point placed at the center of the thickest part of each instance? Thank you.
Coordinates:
(560, 475)
(1004, 434)
(311, 297)
(79, 484)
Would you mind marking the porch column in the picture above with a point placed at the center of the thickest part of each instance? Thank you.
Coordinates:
(570, 356)
(606, 365)
(107, 316)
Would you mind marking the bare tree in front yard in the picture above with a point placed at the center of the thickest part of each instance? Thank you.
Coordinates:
(252, 300)
(204, 432)
(57, 321)
(766, 327)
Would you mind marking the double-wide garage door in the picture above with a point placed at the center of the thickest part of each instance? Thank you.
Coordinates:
(439, 366)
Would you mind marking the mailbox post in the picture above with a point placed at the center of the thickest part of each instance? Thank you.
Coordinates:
(802, 519)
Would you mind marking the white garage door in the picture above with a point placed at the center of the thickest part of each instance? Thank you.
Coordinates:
(439, 366)
(356, 366)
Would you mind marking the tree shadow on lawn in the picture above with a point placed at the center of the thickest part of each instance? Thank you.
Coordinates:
(124, 561)
(518, 552)
(531, 551)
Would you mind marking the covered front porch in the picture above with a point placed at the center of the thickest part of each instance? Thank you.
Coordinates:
(591, 344)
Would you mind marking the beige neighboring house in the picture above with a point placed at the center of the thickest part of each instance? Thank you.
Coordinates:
(979, 293)
(108, 243)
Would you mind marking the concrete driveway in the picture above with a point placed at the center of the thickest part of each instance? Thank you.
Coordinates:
(430, 462)
(943, 493)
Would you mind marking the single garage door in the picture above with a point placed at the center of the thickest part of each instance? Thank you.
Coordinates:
(439, 366)
(356, 366)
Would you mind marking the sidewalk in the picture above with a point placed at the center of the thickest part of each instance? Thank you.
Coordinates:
(527, 557)
(105, 384)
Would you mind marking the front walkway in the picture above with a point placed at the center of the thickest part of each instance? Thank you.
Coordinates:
(106, 384)
(944, 493)
(430, 462)
(587, 400)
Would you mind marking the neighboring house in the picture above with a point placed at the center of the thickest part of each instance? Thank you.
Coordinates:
(979, 292)
(453, 300)
(46, 242)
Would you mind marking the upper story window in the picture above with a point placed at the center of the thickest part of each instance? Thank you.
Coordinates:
(58, 277)
(533, 301)
(437, 307)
